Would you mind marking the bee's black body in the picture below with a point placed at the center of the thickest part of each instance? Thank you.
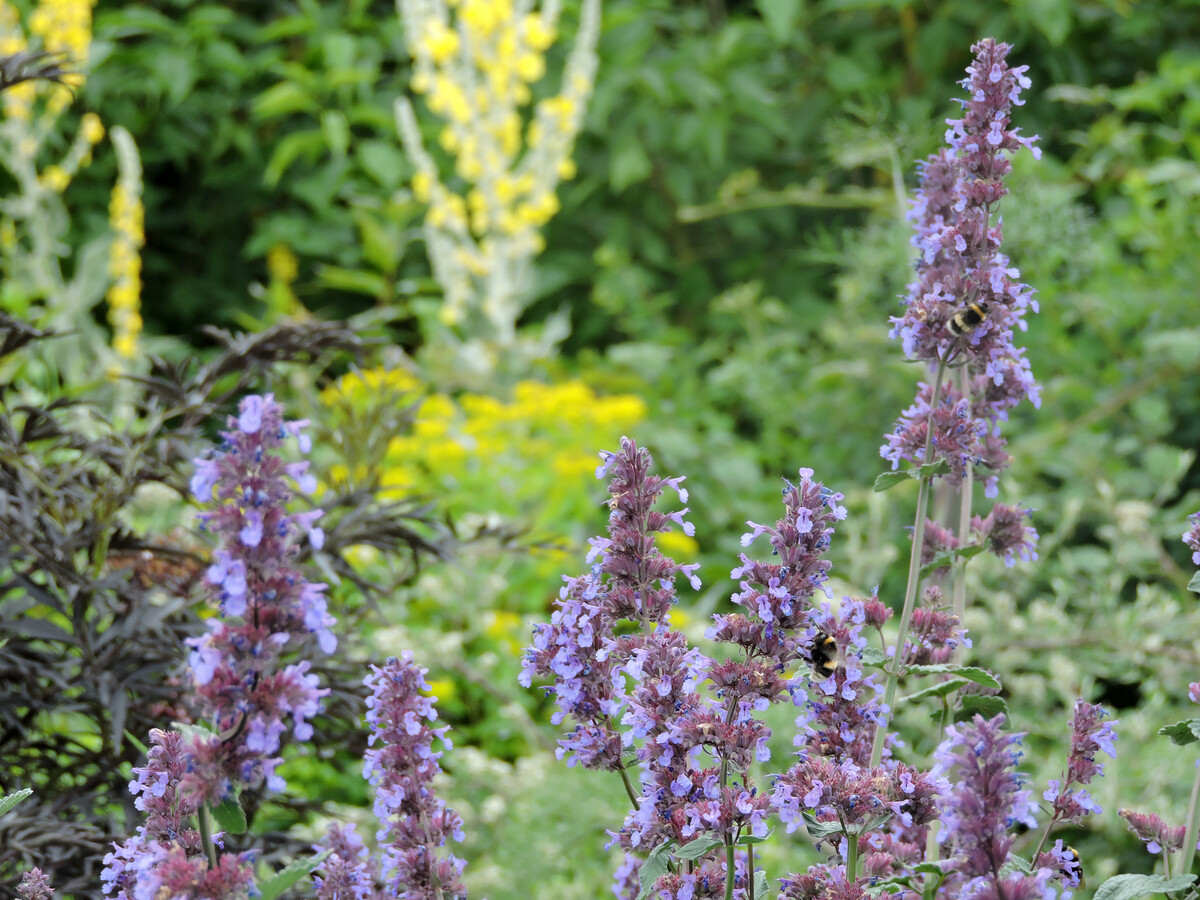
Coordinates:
(967, 320)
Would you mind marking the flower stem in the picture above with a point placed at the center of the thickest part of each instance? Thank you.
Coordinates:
(1190, 829)
(633, 798)
(750, 871)
(206, 840)
(914, 572)
(730, 870)
(966, 493)
(851, 857)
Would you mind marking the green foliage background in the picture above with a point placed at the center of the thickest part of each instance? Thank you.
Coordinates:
(731, 250)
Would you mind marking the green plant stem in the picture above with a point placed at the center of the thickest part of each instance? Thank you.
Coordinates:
(206, 840)
(851, 857)
(1193, 824)
(729, 870)
(1042, 842)
(931, 837)
(633, 798)
(750, 871)
(966, 495)
(914, 574)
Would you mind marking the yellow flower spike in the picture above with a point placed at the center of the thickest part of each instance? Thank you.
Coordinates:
(448, 139)
(566, 169)
(537, 35)
(421, 82)
(440, 42)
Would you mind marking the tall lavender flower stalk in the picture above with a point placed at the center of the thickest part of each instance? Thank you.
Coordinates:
(987, 800)
(246, 697)
(962, 310)
(401, 764)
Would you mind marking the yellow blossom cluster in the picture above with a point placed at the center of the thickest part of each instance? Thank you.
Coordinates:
(477, 450)
(125, 214)
(475, 62)
(57, 26)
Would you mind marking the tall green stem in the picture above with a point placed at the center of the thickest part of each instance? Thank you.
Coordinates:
(914, 571)
(959, 603)
(851, 857)
(1192, 826)
(730, 871)
(206, 840)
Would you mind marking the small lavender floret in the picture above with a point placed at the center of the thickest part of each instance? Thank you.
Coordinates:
(401, 764)
(1089, 736)
(348, 873)
(1006, 533)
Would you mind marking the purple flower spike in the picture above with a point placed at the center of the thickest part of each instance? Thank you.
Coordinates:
(401, 764)
(1006, 534)
(1153, 831)
(34, 886)
(988, 798)
(967, 300)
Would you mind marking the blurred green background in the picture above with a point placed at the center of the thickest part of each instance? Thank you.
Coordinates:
(728, 256)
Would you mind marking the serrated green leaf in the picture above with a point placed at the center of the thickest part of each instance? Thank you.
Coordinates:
(1194, 584)
(230, 816)
(1129, 887)
(290, 874)
(1182, 733)
(873, 656)
(818, 830)
(780, 16)
(1016, 864)
(762, 884)
(970, 673)
(870, 824)
(654, 868)
(975, 704)
(941, 689)
(885, 481)
(11, 800)
(697, 848)
(929, 470)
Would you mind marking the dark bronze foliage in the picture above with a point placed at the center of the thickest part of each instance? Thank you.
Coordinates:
(93, 616)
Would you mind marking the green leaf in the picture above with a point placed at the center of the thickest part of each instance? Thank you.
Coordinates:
(1182, 733)
(950, 557)
(308, 143)
(369, 283)
(8, 802)
(1129, 887)
(230, 816)
(1016, 864)
(762, 885)
(971, 673)
(941, 689)
(697, 848)
(654, 868)
(336, 131)
(780, 16)
(818, 830)
(290, 874)
(929, 470)
(873, 656)
(282, 99)
(885, 481)
(382, 161)
(1194, 584)
(629, 163)
(751, 839)
(988, 707)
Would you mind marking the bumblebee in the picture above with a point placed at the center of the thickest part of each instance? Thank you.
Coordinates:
(1078, 866)
(824, 655)
(967, 320)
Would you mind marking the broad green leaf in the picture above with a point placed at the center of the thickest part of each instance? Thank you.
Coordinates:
(697, 848)
(873, 656)
(762, 885)
(885, 481)
(950, 557)
(11, 800)
(975, 704)
(1016, 864)
(1182, 733)
(290, 874)
(369, 283)
(818, 830)
(336, 131)
(629, 163)
(1194, 584)
(654, 868)
(971, 673)
(230, 816)
(1130, 887)
(309, 143)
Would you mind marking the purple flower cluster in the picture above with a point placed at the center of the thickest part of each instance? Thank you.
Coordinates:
(629, 579)
(966, 302)
(243, 692)
(348, 873)
(1156, 834)
(1089, 736)
(1191, 537)
(401, 764)
(34, 886)
(987, 800)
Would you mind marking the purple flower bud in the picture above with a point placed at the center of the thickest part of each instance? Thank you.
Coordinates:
(34, 886)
